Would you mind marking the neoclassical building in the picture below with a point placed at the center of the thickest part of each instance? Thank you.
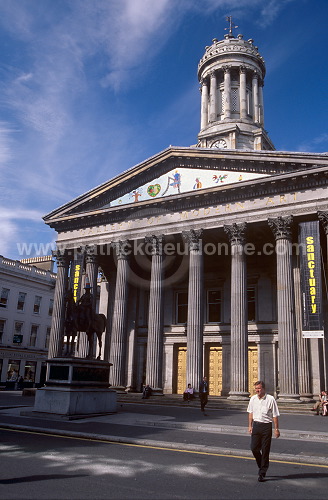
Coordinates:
(198, 248)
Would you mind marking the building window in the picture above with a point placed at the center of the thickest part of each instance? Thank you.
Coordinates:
(51, 307)
(18, 334)
(13, 370)
(29, 371)
(222, 102)
(37, 304)
(181, 307)
(21, 301)
(4, 297)
(251, 303)
(2, 328)
(46, 344)
(214, 303)
(234, 99)
(33, 335)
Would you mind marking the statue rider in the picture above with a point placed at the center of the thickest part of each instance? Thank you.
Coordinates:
(86, 312)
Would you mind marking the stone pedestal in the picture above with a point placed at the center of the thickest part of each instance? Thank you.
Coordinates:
(76, 387)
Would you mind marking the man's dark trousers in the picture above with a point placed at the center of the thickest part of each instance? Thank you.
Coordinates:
(260, 444)
(203, 400)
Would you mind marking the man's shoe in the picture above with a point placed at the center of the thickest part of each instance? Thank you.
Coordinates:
(260, 478)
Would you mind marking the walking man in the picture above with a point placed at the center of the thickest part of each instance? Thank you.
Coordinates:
(203, 394)
(262, 410)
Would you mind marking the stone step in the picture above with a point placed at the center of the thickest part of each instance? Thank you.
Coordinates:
(214, 402)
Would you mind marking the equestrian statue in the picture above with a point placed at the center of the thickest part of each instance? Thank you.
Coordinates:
(80, 316)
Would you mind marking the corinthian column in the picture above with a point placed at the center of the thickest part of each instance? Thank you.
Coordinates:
(195, 308)
(302, 344)
(118, 337)
(320, 345)
(91, 271)
(213, 97)
(287, 340)
(58, 315)
(154, 364)
(239, 330)
(204, 105)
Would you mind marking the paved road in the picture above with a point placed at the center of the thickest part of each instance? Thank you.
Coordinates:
(304, 437)
(35, 466)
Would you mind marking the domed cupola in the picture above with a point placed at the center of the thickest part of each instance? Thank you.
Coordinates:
(231, 74)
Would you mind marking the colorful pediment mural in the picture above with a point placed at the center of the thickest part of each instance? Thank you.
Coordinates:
(183, 180)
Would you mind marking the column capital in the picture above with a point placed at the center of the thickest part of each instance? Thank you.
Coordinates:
(242, 69)
(323, 218)
(61, 257)
(226, 68)
(255, 75)
(122, 248)
(193, 238)
(91, 254)
(213, 73)
(156, 242)
(236, 233)
(281, 227)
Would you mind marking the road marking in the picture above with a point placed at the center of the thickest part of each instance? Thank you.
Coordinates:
(213, 454)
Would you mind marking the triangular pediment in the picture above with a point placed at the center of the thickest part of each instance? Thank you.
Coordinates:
(180, 171)
(183, 180)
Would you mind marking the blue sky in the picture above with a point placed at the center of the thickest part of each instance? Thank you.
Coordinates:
(89, 88)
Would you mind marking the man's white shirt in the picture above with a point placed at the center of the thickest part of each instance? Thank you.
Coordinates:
(263, 409)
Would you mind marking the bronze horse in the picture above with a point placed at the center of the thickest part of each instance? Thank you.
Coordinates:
(75, 322)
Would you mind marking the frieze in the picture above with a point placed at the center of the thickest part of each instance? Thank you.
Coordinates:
(250, 209)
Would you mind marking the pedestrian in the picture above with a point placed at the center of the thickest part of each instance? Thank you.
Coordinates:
(203, 394)
(20, 383)
(188, 394)
(146, 393)
(262, 410)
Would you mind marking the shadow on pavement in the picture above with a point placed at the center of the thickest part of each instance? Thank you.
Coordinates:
(39, 477)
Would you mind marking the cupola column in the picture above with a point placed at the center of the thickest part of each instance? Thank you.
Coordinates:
(204, 106)
(255, 85)
(261, 104)
(243, 94)
(227, 92)
(213, 97)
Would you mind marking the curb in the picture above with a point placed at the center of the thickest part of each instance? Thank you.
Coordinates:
(315, 461)
(295, 435)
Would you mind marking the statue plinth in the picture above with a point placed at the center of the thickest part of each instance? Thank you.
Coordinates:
(75, 388)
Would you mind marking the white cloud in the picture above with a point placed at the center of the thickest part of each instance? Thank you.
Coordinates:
(9, 232)
(312, 145)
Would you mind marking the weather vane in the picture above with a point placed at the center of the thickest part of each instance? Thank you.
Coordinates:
(231, 26)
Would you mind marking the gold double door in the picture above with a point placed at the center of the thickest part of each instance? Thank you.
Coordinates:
(216, 368)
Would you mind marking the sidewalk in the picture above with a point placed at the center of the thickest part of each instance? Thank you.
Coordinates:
(304, 438)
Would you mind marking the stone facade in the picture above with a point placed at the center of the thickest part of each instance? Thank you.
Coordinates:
(197, 249)
(26, 308)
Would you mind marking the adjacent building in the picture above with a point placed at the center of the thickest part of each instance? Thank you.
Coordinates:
(26, 305)
(199, 250)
